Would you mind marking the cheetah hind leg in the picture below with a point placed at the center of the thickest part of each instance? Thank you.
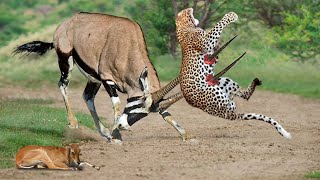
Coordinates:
(279, 128)
(249, 91)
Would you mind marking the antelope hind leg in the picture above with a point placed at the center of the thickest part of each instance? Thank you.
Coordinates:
(66, 65)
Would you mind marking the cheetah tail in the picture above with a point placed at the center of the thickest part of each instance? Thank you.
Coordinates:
(279, 128)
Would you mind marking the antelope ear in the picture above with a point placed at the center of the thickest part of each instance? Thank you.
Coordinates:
(143, 81)
(68, 153)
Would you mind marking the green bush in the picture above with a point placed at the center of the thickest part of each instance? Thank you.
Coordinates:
(299, 35)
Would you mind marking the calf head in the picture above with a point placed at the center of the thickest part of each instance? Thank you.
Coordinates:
(73, 155)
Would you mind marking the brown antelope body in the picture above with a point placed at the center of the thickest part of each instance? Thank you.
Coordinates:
(111, 51)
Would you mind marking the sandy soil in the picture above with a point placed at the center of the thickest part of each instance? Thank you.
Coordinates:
(223, 149)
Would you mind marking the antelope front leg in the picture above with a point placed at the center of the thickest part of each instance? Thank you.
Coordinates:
(111, 88)
(168, 118)
(89, 96)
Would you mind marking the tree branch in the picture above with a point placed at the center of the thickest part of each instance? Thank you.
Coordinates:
(175, 7)
(194, 7)
(205, 16)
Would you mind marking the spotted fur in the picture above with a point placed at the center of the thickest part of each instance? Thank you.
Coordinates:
(196, 76)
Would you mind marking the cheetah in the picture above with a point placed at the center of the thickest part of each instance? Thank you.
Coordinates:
(198, 86)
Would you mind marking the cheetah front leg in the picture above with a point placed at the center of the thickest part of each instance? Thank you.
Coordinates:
(210, 40)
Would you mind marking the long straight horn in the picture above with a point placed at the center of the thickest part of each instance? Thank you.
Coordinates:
(221, 73)
(220, 49)
(158, 95)
(169, 101)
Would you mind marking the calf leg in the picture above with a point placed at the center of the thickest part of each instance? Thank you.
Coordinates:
(88, 95)
(29, 164)
(66, 66)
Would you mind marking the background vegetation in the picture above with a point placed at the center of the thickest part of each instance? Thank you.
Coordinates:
(281, 38)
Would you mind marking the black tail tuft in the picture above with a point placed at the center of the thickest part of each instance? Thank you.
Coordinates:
(38, 47)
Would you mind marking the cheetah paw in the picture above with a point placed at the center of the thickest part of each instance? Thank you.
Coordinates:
(257, 81)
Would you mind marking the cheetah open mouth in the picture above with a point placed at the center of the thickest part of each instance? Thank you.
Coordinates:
(194, 20)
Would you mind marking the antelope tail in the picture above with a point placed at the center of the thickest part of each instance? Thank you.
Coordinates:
(37, 47)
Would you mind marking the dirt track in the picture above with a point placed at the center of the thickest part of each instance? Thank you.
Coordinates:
(223, 149)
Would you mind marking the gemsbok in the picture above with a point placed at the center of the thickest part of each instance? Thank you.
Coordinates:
(108, 50)
(51, 157)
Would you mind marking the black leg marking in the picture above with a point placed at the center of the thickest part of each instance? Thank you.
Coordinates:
(110, 88)
(91, 90)
(84, 66)
(88, 95)
(134, 117)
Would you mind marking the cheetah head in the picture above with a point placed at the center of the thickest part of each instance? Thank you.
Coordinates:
(185, 19)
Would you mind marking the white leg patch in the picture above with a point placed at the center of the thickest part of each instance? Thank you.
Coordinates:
(115, 100)
(123, 121)
(110, 82)
(133, 103)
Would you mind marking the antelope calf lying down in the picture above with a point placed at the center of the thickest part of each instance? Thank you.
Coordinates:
(52, 157)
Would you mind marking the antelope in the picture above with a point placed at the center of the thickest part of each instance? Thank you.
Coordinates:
(52, 157)
(111, 51)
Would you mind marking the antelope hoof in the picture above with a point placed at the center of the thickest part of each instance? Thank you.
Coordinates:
(73, 123)
(73, 126)
(187, 137)
(116, 134)
(116, 141)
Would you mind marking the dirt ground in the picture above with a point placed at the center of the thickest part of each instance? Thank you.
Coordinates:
(222, 149)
